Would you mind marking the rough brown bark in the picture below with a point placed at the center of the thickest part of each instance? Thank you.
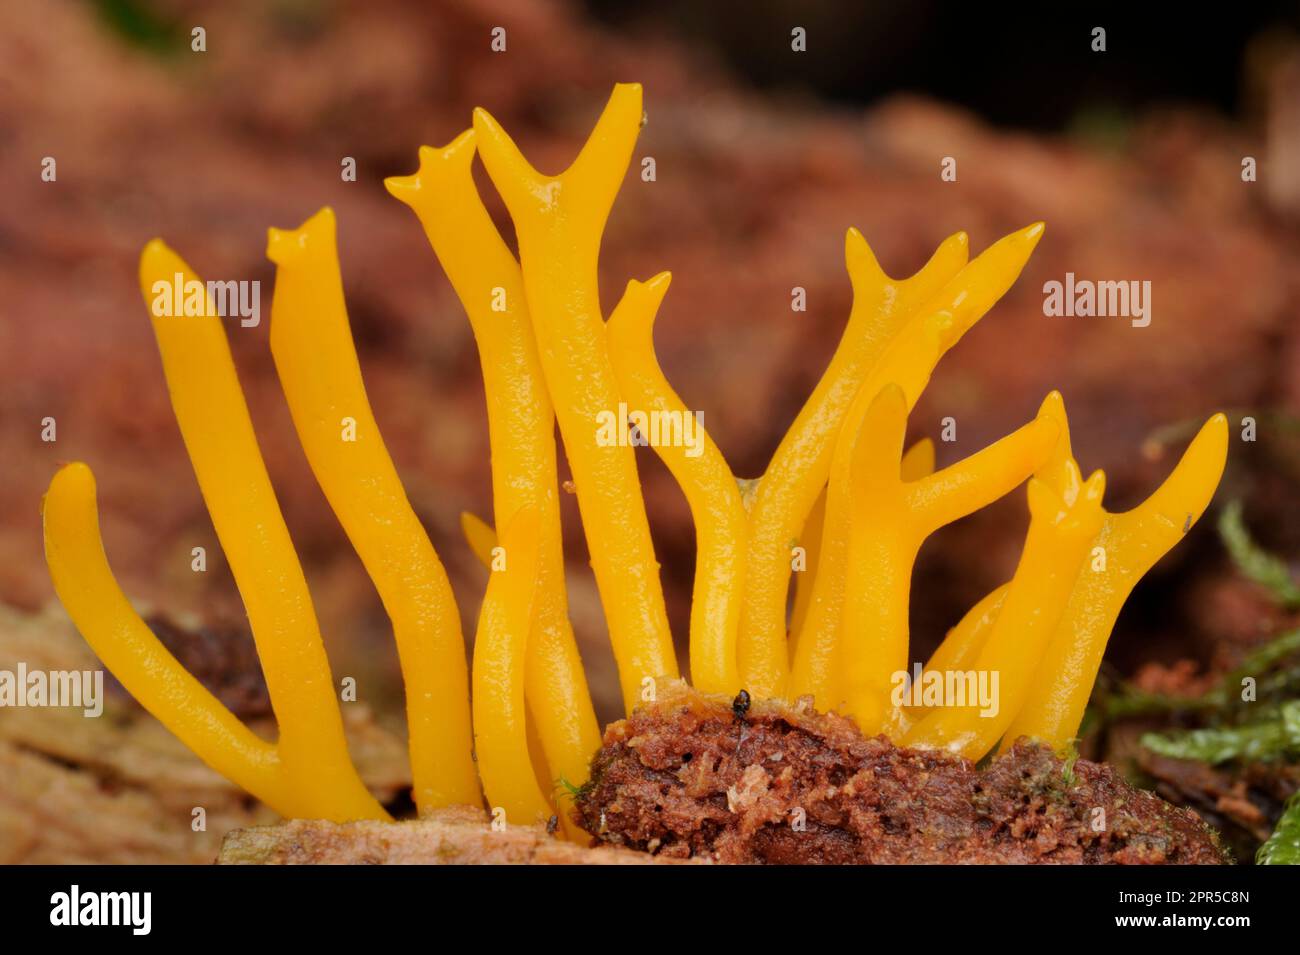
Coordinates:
(119, 788)
(689, 778)
(456, 836)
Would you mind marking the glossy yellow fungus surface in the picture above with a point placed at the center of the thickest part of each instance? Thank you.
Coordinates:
(840, 507)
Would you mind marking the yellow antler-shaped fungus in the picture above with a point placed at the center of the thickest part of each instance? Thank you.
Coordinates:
(500, 732)
(1060, 529)
(797, 473)
(521, 428)
(705, 479)
(559, 221)
(321, 377)
(838, 484)
(308, 772)
(908, 361)
(1047, 661)
(1124, 549)
(890, 520)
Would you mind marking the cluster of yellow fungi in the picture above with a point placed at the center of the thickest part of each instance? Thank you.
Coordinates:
(839, 488)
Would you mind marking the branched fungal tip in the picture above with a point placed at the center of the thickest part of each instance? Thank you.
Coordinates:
(840, 488)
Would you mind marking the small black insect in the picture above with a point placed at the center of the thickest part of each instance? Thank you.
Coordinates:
(740, 705)
(552, 825)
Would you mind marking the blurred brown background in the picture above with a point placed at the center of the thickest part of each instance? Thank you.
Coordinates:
(764, 157)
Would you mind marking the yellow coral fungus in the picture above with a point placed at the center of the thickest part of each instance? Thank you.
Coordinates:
(707, 482)
(313, 774)
(839, 503)
(1123, 550)
(500, 733)
(785, 494)
(318, 369)
(521, 429)
(559, 221)
(1060, 530)
(890, 520)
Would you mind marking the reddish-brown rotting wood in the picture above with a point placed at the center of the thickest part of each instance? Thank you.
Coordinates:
(687, 777)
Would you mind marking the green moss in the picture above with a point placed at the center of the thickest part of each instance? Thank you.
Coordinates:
(1283, 846)
(1255, 563)
(574, 792)
(1275, 737)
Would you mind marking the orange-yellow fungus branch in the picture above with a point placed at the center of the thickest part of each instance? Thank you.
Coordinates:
(1126, 547)
(559, 221)
(500, 716)
(85, 584)
(907, 362)
(918, 462)
(317, 363)
(705, 479)
(480, 536)
(838, 485)
(521, 429)
(963, 642)
(1055, 549)
(890, 520)
(218, 434)
(810, 539)
(784, 496)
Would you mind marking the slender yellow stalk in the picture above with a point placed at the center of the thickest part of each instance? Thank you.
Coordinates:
(559, 221)
(480, 537)
(1125, 548)
(705, 479)
(908, 361)
(963, 642)
(918, 462)
(500, 644)
(890, 520)
(521, 429)
(218, 434)
(317, 363)
(797, 473)
(85, 584)
(308, 772)
(1055, 548)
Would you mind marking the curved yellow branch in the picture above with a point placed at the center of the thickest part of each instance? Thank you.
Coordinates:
(890, 520)
(317, 363)
(785, 495)
(705, 479)
(980, 479)
(500, 716)
(907, 362)
(963, 642)
(218, 434)
(480, 537)
(88, 591)
(810, 539)
(559, 221)
(1055, 549)
(521, 428)
(1126, 547)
